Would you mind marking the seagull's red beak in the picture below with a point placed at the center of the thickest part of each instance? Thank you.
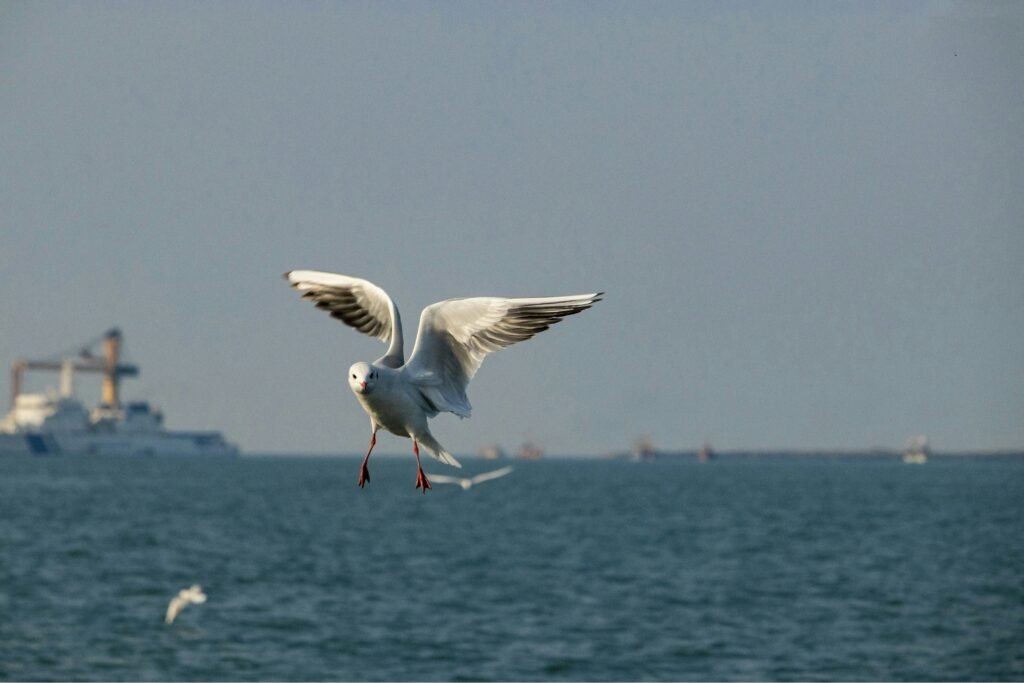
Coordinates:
(362, 385)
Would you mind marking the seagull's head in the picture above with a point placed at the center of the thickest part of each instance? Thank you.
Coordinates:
(362, 378)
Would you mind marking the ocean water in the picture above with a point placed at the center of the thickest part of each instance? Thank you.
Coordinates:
(746, 569)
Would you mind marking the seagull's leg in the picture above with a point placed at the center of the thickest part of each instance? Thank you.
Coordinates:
(421, 477)
(364, 471)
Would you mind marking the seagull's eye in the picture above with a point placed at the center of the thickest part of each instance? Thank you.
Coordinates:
(353, 376)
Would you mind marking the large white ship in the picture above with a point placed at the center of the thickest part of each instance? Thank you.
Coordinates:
(56, 423)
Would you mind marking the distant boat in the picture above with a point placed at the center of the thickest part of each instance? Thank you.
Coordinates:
(916, 451)
(492, 452)
(705, 452)
(529, 451)
(643, 449)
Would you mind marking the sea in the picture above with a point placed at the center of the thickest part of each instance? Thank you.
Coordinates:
(780, 568)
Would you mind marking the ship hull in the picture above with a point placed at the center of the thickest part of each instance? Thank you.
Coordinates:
(84, 443)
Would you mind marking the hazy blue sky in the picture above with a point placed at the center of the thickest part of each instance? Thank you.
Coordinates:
(808, 217)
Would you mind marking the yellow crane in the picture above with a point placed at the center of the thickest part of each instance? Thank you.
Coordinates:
(108, 363)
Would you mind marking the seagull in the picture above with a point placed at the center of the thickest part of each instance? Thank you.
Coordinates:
(467, 484)
(453, 339)
(186, 596)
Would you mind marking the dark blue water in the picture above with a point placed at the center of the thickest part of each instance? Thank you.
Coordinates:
(774, 569)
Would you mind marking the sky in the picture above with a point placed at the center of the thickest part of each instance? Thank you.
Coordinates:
(807, 217)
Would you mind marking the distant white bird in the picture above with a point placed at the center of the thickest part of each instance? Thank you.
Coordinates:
(454, 337)
(467, 484)
(186, 596)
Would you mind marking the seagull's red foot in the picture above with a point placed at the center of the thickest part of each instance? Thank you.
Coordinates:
(421, 481)
(421, 478)
(364, 471)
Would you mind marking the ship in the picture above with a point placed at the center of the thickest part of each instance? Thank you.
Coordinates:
(644, 450)
(57, 423)
(916, 450)
(705, 453)
(492, 452)
(530, 451)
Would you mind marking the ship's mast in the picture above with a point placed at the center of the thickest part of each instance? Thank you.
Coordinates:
(67, 378)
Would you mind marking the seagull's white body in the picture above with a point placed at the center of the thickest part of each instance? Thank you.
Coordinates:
(469, 482)
(453, 339)
(399, 408)
(192, 595)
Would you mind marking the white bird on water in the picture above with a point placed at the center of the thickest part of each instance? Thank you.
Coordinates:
(186, 596)
(453, 339)
(469, 483)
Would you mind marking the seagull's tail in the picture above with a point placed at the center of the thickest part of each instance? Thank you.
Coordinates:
(437, 450)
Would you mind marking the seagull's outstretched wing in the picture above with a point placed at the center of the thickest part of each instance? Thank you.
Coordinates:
(445, 479)
(174, 608)
(356, 302)
(456, 335)
(493, 474)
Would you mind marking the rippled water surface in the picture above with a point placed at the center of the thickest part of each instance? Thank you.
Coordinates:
(747, 569)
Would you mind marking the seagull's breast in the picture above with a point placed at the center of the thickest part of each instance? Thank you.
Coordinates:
(394, 409)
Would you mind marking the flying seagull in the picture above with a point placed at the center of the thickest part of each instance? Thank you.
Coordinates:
(467, 484)
(186, 596)
(453, 339)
